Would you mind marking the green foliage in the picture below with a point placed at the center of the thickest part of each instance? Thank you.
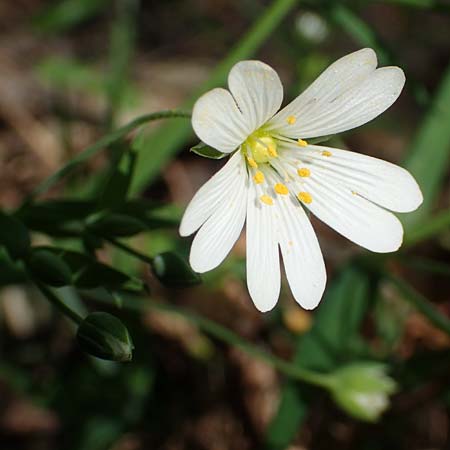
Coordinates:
(101, 214)
(206, 151)
(14, 236)
(330, 342)
(429, 154)
(65, 14)
(49, 267)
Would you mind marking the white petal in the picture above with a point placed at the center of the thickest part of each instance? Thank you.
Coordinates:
(341, 76)
(302, 257)
(263, 261)
(381, 182)
(209, 197)
(257, 90)
(356, 218)
(348, 94)
(218, 122)
(218, 234)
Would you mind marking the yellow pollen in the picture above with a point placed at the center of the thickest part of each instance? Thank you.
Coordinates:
(266, 199)
(258, 177)
(302, 143)
(305, 197)
(272, 151)
(281, 189)
(326, 153)
(304, 172)
(291, 120)
(252, 162)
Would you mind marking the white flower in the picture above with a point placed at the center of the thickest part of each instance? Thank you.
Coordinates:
(273, 174)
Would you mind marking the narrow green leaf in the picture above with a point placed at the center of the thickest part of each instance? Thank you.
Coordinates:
(206, 151)
(117, 184)
(429, 154)
(419, 302)
(61, 210)
(96, 274)
(14, 235)
(48, 267)
(11, 270)
(109, 225)
(65, 14)
(102, 144)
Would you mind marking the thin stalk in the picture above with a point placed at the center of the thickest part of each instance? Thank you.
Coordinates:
(58, 303)
(129, 250)
(102, 144)
(225, 335)
(419, 302)
(429, 228)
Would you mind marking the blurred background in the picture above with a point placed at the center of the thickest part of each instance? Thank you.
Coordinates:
(72, 71)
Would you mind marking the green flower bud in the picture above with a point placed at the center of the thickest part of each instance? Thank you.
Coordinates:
(173, 271)
(362, 390)
(106, 337)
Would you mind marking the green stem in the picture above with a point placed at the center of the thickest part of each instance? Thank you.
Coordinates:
(58, 303)
(102, 144)
(428, 229)
(425, 264)
(419, 302)
(225, 335)
(129, 250)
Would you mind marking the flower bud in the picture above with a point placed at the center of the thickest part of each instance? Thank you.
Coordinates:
(172, 271)
(362, 390)
(106, 337)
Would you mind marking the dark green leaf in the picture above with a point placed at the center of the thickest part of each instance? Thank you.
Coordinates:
(105, 336)
(152, 214)
(14, 236)
(206, 151)
(96, 274)
(65, 14)
(115, 225)
(57, 218)
(430, 172)
(11, 270)
(116, 188)
(60, 210)
(48, 267)
(173, 271)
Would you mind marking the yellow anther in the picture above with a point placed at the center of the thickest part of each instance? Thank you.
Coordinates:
(326, 153)
(304, 172)
(272, 151)
(305, 197)
(258, 177)
(291, 120)
(281, 189)
(266, 199)
(252, 162)
(302, 143)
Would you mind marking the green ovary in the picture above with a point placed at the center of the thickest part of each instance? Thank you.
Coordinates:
(261, 147)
